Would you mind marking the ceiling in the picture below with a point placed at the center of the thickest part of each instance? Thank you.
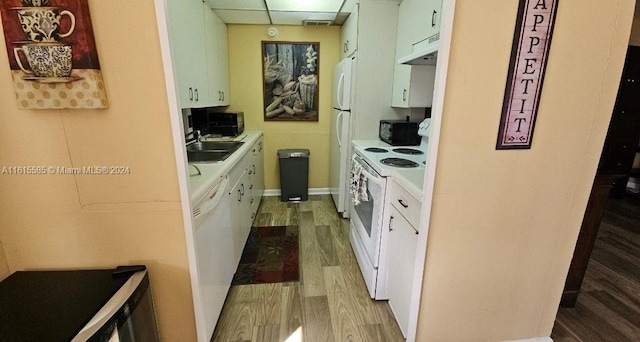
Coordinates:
(283, 12)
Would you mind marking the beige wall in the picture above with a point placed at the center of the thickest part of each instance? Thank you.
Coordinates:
(245, 73)
(504, 223)
(76, 221)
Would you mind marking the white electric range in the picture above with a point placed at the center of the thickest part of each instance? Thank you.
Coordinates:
(378, 161)
(385, 159)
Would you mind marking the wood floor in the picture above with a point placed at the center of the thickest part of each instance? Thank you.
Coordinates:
(608, 308)
(329, 303)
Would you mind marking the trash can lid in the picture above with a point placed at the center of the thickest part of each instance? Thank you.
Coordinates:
(294, 153)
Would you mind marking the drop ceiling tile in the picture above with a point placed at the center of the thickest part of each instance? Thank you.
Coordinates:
(305, 5)
(237, 4)
(296, 18)
(243, 16)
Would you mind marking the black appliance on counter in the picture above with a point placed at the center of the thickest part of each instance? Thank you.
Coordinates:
(78, 305)
(210, 121)
(399, 132)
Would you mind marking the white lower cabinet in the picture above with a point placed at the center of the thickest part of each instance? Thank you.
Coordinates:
(402, 216)
(247, 179)
(256, 171)
(402, 241)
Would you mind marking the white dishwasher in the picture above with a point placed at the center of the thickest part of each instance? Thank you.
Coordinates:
(214, 254)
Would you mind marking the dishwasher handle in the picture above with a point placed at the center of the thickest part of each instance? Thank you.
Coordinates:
(213, 197)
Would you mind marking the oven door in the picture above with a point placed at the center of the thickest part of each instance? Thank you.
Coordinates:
(367, 215)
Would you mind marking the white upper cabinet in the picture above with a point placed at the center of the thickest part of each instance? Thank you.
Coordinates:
(349, 37)
(217, 59)
(186, 32)
(418, 20)
(434, 15)
(412, 84)
(199, 50)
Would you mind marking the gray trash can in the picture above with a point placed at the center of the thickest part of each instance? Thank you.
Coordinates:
(294, 174)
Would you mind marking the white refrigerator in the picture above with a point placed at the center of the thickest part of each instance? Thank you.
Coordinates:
(341, 135)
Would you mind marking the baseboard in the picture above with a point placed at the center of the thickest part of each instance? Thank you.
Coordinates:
(312, 191)
(533, 339)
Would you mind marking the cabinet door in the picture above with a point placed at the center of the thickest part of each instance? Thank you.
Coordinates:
(402, 241)
(413, 86)
(433, 13)
(240, 209)
(349, 34)
(257, 177)
(217, 59)
(186, 32)
(417, 20)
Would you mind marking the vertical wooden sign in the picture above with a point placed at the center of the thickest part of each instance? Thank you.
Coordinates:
(531, 42)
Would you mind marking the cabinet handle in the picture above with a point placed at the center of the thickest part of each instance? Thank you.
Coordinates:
(223, 96)
(390, 219)
(254, 169)
(239, 196)
(250, 188)
(433, 18)
(251, 201)
(402, 203)
(196, 94)
(190, 94)
(404, 95)
(242, 185)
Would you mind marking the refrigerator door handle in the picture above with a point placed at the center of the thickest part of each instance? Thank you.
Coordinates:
(339, 128)
(340, 90)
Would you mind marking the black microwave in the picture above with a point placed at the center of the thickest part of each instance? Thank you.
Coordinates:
(226, 124)
(399, 132)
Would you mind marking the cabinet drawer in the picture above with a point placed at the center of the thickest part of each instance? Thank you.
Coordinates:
(405, 203)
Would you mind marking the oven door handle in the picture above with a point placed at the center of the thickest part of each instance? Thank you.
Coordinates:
(372, 178)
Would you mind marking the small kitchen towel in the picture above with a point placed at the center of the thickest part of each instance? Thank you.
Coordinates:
(358, 186)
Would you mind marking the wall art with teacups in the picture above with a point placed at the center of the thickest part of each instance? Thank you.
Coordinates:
(52, 54)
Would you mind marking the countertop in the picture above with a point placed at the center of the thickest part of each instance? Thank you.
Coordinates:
(53, 305)
(212, 173)
(410, 180)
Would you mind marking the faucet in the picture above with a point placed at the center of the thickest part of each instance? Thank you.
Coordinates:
(195, 136)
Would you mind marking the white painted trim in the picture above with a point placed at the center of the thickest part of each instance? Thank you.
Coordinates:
(442, 67)
(175, 113)
(312, 191)
(533, 339)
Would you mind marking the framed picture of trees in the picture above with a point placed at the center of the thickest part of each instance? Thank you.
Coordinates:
(290, 80)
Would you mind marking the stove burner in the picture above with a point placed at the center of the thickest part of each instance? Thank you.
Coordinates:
(411, 151)
(399, 162)
(376, 150)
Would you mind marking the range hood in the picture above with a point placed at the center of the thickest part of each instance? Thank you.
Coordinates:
(424, 52)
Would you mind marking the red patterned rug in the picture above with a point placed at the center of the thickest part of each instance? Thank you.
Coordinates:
(269, 256)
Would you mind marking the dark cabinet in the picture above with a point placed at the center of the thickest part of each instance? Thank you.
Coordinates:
(616, 163)
(621, 144)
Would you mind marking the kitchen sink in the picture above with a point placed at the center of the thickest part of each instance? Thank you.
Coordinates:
(218, 146)
(211, 151)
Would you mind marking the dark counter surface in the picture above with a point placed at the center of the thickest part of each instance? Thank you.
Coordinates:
(52, 305)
